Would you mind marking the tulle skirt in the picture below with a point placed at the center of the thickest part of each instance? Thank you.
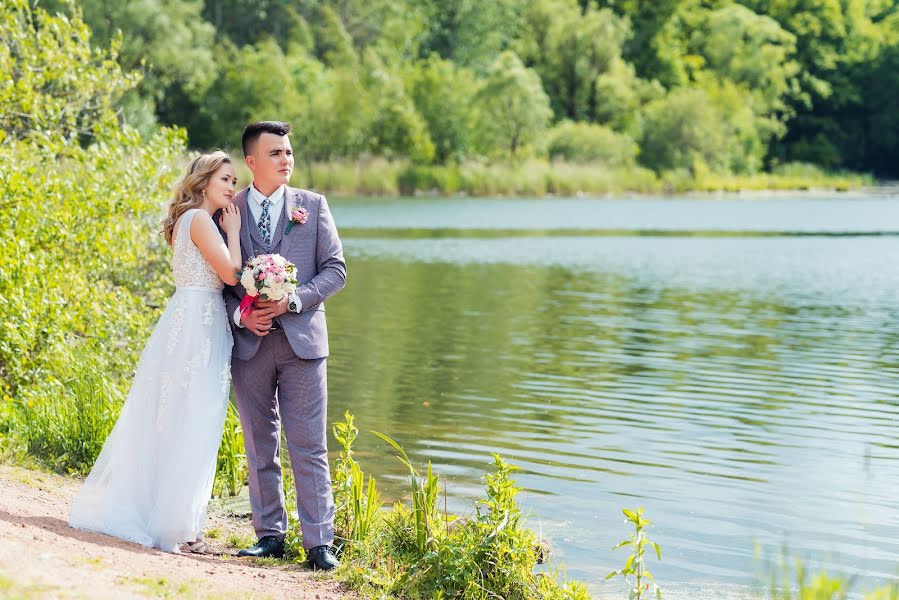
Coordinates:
(153, 479)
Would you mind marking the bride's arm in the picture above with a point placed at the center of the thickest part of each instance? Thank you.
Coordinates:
(224, 258)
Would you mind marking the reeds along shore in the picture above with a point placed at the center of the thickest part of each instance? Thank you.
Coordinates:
(379, 177)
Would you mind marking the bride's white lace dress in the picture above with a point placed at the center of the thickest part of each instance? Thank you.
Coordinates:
(153, 479)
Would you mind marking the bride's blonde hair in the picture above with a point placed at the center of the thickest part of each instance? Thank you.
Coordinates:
(189, 190)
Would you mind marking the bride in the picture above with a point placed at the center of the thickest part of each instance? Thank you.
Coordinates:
(153, 479)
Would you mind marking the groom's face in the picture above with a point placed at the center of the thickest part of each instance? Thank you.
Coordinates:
(271, 159)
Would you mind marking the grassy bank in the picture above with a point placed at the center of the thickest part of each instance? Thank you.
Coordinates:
(378, 177)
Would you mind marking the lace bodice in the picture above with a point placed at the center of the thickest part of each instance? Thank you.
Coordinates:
(188, 265)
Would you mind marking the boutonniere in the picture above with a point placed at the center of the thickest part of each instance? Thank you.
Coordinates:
(298, 214)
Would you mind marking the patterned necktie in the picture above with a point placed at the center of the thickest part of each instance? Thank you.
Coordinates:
(265, 222)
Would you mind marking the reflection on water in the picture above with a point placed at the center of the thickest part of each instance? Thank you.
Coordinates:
(742, 389)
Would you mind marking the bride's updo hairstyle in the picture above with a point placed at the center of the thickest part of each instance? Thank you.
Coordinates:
(189, 190)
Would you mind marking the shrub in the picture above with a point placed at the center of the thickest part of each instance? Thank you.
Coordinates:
(589, 143)
(82, 282)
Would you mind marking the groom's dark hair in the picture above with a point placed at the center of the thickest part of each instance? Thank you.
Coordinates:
(255, 130)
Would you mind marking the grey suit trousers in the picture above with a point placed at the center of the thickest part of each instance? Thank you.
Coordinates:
(274, 381)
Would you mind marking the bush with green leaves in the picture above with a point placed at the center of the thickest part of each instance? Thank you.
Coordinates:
(418, 551)
(683, 129)
(82, 267)
(589, 143)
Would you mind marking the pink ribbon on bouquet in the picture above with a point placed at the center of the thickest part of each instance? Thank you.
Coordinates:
(247, 303)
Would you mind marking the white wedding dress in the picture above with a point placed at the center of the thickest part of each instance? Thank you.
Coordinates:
(153, 479)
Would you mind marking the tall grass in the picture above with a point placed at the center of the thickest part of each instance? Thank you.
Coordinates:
(231, 467)
(410, 552)
(356, 505)
(63, 423)
(537, 177)
(424, 492)
(790, 579)
(368, 177)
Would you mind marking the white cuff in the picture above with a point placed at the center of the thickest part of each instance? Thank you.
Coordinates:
(294, 304)
(237, 317)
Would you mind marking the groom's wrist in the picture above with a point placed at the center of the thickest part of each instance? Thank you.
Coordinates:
(293, 304)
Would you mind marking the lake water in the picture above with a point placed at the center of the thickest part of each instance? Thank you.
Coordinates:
(731, 364)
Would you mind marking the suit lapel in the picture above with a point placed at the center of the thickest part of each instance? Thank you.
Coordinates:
(253, 227)
(279, 230)
(292, 199)
(247, 224)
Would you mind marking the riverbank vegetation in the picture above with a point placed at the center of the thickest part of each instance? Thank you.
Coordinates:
(539, 177)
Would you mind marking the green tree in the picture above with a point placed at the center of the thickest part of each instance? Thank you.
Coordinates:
(570, 50)
(754, 52)
(254, 83)
(442, 94)
(246, 22)
(470, 34)
(840, 45)
(167, 40)
(620, 96)
(514, 107)
(652, 49)
(397, 130)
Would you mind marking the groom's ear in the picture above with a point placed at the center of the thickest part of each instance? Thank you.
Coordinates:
(251, 162)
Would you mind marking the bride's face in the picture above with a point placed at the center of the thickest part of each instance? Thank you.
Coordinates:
(220, 190)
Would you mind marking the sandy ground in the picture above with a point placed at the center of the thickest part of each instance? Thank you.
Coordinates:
(42, 557)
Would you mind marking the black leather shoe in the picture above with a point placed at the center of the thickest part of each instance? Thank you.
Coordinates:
(266, 546)
(322, 557)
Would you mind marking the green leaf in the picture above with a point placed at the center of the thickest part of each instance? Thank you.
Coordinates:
(630, 561)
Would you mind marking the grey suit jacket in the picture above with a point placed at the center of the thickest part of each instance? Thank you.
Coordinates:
(315, 248)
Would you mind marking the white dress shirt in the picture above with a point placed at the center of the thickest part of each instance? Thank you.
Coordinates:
(254, 203)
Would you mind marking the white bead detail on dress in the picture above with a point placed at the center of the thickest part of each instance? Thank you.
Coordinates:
(177, 324)
(207, 313)
(225, 377)
(165, 381)
(207, 351)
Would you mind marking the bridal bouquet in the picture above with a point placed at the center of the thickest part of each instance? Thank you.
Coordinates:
(267, 277)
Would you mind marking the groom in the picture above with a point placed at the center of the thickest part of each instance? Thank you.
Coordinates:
(278, 365)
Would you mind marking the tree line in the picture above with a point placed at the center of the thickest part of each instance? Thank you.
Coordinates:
(711, 85)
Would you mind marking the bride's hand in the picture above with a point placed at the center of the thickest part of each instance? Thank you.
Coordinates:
(230, 220)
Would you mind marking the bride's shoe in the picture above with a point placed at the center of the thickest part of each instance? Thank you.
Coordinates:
(195, 547)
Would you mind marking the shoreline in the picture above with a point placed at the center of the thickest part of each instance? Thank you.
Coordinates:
(863, 192)
(43, 557)
(378, 178)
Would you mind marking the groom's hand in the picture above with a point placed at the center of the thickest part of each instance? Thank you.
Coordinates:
(272, 308)
(255, 322)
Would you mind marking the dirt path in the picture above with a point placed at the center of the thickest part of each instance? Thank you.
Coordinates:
(42, 557)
